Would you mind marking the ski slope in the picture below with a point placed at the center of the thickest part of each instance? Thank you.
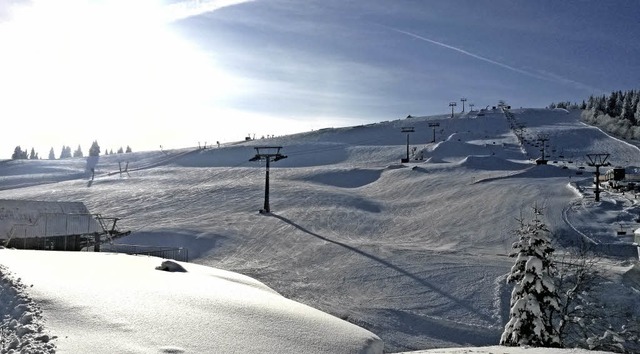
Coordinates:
(414, 253)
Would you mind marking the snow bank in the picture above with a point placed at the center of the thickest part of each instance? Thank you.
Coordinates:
(115, 303)
(21, 324)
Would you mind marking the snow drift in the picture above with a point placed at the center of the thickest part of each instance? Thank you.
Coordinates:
(114, 303)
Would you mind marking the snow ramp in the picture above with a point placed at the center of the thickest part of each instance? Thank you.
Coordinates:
(491, 163)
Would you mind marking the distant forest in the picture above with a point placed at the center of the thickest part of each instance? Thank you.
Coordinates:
(65, 152)
(618, 113)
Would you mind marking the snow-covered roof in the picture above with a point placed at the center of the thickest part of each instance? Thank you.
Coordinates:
(30, 218)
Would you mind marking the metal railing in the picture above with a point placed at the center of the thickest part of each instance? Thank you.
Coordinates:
(176, 253)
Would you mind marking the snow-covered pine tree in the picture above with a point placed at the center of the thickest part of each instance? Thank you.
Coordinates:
(94, 150)
(534, 297)
(78, 152)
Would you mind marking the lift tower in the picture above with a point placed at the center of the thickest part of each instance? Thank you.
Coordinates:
(463, 100)
(407, 130)
(434, 125)
(542, 138)
(452, 104)
(597, 161)
(268, 153)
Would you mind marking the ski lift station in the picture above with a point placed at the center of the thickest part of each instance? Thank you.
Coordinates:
(65, 226)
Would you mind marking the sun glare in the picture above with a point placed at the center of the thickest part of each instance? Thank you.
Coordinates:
(73, 67)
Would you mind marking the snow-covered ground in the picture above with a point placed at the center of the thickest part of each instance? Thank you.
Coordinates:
(413, 253)
(115, 303)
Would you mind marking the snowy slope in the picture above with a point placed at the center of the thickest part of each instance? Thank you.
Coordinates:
(415, 253)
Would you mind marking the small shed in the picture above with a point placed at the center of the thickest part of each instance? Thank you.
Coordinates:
(29, 224)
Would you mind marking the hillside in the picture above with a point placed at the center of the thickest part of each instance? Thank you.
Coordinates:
(414, 252)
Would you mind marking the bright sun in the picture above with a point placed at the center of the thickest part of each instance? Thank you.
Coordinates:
(113, 66)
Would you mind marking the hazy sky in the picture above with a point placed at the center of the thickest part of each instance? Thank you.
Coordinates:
(147, 73)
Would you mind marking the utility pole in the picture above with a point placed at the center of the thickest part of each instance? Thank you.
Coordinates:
(434, 125)
(597, 161)
(407, 130)
(543, 138)
(269, 153)
(452, 104)
(463, 99)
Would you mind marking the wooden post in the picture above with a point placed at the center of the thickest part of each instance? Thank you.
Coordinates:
(96, 245)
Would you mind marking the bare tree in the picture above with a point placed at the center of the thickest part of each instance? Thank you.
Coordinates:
(589, 317)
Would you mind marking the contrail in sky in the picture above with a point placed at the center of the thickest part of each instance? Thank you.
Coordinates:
(548, 77)
(190, 8)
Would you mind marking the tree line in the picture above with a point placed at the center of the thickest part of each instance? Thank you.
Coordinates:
(617, 113)
(65, 152)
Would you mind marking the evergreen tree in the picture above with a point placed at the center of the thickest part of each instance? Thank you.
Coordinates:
(600, 105)
(33, 155)
(66, 152)
(18, 154)
(583, 106)
(94, 150)
(612, 105)
(628, 112)
(120, 150)
(111, 152)
(52, 155)
(534, 298)
(78, 152)
(128, 149)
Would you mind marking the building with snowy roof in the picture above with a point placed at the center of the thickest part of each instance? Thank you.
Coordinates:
(31, 224)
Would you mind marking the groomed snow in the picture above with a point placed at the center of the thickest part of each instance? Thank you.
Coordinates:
(115, 303)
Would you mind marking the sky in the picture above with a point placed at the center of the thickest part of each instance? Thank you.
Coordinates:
(190, 72)
(415, 253)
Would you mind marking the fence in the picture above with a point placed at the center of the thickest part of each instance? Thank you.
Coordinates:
(175, 253)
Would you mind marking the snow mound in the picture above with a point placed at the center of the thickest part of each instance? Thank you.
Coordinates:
(131, 307)
(447, 150)
(21, 324)
(353, 178)
(491, 163)
(544, 171)
(434, 160)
